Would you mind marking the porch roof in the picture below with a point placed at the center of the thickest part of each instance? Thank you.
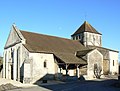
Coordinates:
(70, 58)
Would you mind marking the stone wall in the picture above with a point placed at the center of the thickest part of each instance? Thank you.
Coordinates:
(1, 67)
(106, 67)
(88, 38)
(94, 57)
(83, 71)
(113, 62)
(24, 56)
(92, 39)
(39, 70)
(27, 71)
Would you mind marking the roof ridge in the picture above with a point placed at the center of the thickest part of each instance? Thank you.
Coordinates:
(47, 35)
(39, 42)
(86, 27)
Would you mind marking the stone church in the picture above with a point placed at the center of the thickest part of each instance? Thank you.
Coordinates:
(29, 57)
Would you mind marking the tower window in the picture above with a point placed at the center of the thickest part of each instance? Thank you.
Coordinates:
(93, 38)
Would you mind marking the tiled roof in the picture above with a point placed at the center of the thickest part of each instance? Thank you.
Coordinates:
(61, 47)
(83, 52)
(86, 27)
(70, 58)
(103, 51)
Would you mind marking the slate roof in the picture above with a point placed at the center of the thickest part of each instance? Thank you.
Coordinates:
(86, 27)
(63, 48)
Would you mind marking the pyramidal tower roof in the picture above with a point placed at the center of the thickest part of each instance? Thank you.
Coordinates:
(86, 27)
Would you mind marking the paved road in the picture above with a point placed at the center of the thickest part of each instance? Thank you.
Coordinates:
(104, 85)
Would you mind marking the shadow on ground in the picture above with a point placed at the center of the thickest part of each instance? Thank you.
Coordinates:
(83, 85)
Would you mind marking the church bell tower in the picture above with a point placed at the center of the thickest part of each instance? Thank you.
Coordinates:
(87, 35)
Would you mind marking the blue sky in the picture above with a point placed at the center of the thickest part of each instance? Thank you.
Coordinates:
(61, 18)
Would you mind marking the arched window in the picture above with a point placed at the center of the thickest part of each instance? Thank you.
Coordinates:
(12, 55)
(45, 64)
(113, 62)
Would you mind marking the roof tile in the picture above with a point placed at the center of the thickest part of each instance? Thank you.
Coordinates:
(61, 47)
(86, 27)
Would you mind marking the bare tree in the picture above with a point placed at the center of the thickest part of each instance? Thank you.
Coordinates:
(97, 70)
